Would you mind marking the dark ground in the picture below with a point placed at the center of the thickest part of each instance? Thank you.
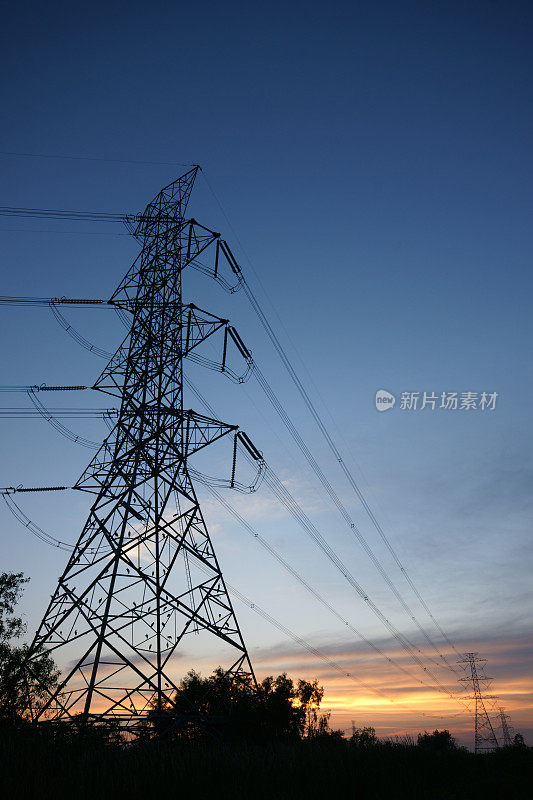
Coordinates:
(40, 768)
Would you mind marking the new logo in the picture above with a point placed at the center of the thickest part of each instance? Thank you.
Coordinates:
(384, 400)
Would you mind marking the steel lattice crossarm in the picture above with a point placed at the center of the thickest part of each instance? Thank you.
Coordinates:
(179, 434)
(143, 577)
(187, 327)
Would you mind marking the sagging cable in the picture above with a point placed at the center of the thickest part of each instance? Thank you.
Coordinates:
(32, 527)
(215, 366)
(58, 426)
(76, 335)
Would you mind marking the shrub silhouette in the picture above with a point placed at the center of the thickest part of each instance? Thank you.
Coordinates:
(364, 737)
(438, 741)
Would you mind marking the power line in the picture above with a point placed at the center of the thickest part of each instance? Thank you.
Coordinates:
(52, 213)
(341, 508)
(320, 474)
(61, 413)
(322, 427)
(288, 501)
(311, 589)
(314, 650)
(11, 300)
(74, 216)
(326, 483)
(68, 233)
(292, 506)
(94, 158)
(42, 388)
(7, 495)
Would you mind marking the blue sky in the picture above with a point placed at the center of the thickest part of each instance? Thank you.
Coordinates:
(374, 163)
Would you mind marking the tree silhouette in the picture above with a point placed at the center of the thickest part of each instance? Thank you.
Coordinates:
(438, 740)
(220, 707)
(17, 687)
(364, 737)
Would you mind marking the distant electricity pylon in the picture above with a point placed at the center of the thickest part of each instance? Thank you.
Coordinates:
(143, 583)
(484, 735)
(505, 728)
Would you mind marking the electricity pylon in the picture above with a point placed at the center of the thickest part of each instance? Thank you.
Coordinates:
(505, 728)
(484, 735)
(143, 583)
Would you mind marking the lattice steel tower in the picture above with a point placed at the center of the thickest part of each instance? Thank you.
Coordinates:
(143, 576)
(505, 727)
(484, 735)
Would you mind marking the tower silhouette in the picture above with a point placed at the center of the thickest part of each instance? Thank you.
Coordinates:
(505, 728)
(143, 582)
(484, 735)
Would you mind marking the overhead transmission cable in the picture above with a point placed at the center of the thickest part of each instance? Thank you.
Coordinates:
(58, 413)
(324, 480)
(46, 301)
(280, 490)
(347, 473)
(308, 587)
(341, 508)
(94, 158)
(62, 429)
(328, 486)
(7, 495)
(52, 415)
(285, 497)
(305, 645)
(78, 216)
(324, 430)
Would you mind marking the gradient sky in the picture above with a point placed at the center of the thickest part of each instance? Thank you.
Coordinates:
(373, 160)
